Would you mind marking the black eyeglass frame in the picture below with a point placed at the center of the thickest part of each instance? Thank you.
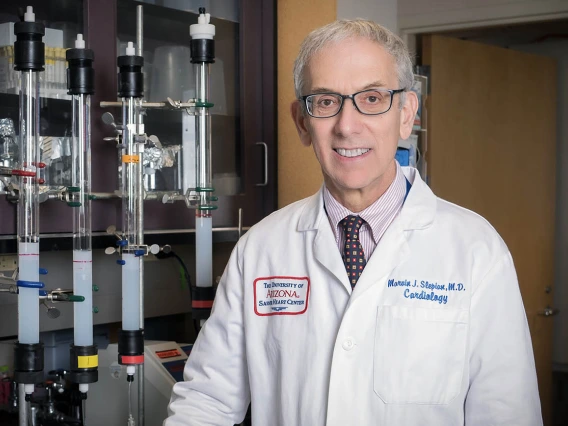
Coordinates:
(392, 92)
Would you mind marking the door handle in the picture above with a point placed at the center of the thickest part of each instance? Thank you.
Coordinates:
(548, 312)
(265, 164)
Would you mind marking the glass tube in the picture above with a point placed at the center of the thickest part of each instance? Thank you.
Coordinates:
(131, 168)
(130, 292)
(203, 219)
(203, 127)
(82, 254)
(132, 204)
(28, 209)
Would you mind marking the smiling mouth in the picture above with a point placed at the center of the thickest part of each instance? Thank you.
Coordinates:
(351, 152)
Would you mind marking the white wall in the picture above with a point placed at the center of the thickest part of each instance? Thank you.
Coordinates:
(424, 14)
(384, 12)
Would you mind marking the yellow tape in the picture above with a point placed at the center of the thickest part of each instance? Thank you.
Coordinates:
(130, 158)
(88, 361)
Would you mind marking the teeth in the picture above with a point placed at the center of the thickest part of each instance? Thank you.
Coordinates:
(351, 152)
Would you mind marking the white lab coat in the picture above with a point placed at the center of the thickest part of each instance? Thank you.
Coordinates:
(374, 356)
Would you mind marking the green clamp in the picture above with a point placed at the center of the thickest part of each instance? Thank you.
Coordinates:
(95, 288)
(73, 189)
(212, 198)
(95, 310)
(206, 207)
(74, 204)
(73, 298)
(200, 104)
(204, 189)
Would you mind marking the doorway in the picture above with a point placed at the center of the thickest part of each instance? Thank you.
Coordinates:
(548, 39)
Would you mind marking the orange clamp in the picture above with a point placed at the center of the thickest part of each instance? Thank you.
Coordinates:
(130, 158)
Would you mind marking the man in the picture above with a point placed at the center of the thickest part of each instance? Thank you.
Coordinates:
(372, 302)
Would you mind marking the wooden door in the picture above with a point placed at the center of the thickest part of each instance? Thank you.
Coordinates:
(491, 148)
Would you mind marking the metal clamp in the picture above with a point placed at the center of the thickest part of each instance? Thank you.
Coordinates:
(265, 164)
(30, 284)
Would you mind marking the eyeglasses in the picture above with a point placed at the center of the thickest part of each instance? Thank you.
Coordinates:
(367, 102)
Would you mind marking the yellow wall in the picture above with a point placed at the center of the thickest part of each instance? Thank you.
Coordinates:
(299, 174)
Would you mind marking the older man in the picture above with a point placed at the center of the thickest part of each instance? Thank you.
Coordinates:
(372, 302)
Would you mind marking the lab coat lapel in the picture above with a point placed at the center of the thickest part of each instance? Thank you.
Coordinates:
(325, 248)
(327, 253)
(392, 250)
(418, 212)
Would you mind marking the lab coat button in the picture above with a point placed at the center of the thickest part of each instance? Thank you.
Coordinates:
(348, 344)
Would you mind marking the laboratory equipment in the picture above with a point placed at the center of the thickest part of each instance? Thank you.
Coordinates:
(80, 83)
(140, 155)
(163, 367)
(8, 149)
(28, 352)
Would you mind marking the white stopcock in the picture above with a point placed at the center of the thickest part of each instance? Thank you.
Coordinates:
(203, 29)
(79, 43)
(130, 50)
(29, 16)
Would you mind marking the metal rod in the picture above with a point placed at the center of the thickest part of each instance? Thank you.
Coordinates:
(139, 30)
(140, 182)
(240, 222)
(104, 195)
(147, 232)
(141, 394)
(22, 405)
(112, 104)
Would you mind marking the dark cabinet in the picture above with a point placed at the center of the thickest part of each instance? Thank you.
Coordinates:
(243, 120)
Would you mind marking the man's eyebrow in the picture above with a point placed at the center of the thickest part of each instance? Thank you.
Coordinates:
(375, 84)
(321, 90)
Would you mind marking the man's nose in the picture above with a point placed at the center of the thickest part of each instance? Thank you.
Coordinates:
(348, 120)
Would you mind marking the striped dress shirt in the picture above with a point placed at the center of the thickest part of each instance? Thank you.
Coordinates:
(378, 216)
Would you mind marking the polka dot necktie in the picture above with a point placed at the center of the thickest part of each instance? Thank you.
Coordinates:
(353, 256)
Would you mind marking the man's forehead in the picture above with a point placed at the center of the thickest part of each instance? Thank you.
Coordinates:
(361, 62)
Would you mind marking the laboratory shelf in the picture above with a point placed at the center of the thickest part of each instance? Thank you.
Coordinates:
(101, 240)
(55, 113)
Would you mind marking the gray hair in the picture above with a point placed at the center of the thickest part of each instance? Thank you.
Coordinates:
(349, 28)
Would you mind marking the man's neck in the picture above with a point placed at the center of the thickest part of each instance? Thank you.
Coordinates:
(357, 200)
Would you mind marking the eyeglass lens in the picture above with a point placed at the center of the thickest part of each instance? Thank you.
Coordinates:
(368, 102)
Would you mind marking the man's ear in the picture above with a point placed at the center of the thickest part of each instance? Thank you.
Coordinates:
(300, 120)
(407, 114)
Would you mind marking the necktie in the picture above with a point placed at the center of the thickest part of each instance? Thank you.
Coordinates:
(353, 256)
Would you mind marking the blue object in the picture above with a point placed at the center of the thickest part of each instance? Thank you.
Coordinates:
(121, 262)
(42, 271)
(408, 186)
(402, 156)
(138, 253)
(30, 284)
(121, 243)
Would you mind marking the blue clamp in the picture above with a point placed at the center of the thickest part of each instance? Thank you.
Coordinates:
(121, 243)
(139, 253)
(121, 262)
(42, 271)
(30, 284)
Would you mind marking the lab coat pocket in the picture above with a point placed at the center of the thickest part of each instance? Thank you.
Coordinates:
(419, 354)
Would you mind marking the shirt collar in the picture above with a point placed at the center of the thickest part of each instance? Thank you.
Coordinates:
(378, 215)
